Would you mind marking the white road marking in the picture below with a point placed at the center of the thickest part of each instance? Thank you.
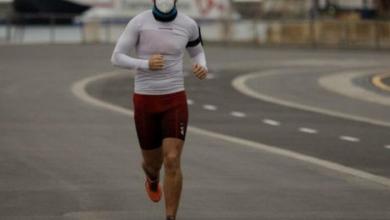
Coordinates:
(210, 107)
(238, 114)
(78, 90)
(190, 102)
(308, 130)
(239, 84)
(349, 138)
(211, 76)
(271, 122)
(343, 84)
(387, 147)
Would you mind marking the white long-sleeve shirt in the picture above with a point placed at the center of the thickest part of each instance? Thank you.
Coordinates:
(149, 37)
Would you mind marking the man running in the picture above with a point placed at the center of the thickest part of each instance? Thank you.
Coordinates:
(160, 37)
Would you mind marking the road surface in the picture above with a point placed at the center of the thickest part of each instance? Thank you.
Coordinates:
(63, 157)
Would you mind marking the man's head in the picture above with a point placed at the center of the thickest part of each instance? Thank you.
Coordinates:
(165, 6)
(164, 10)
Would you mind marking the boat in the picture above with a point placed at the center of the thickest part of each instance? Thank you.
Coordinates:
(46, 11)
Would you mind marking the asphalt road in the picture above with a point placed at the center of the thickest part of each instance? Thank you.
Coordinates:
(62, 158)
(337, 89)
(366, 152)
(387, 81)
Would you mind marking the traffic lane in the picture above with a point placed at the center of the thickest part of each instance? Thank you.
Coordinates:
(368, 154)
(251, 184)
(226, 181)
(332, 142)
(301, 85)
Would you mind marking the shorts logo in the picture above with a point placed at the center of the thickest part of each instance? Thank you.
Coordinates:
(182, 129)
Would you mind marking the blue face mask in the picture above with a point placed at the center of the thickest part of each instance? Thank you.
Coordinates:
(164, 16)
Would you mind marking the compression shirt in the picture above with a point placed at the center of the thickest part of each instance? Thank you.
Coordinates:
(149, 37)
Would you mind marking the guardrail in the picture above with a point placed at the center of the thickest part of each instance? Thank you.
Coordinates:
(302, 33)
(15, 25)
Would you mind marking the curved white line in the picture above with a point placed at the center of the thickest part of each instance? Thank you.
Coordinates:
(78, 90)
(239, 84)
(342, 84)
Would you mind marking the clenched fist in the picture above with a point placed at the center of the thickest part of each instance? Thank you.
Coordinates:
(199, 71)
(156, 62)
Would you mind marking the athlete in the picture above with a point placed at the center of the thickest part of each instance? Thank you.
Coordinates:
(160, 37)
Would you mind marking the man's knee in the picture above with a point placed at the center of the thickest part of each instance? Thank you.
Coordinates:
(172, 163)
(172, 153)
(153, 159)
(152, 168)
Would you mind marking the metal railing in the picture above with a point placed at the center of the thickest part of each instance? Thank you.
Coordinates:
(15, 25)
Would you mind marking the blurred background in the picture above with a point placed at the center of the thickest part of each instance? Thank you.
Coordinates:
(329, 23)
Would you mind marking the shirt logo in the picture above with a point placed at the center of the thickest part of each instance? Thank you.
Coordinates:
(166, 28)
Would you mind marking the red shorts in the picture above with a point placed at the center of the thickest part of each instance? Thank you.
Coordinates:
(160, 116)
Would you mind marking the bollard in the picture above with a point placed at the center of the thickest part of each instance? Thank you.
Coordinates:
(8, 28)
(52, 28)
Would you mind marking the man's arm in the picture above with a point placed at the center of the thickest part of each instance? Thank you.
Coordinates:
(125, 44)
(198, 56)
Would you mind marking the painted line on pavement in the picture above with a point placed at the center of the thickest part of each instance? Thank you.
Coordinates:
(239, 84)
(350, 139)
(387, 147)
(79, 91)
(342, 84)
(271, 122)
(308, 130)
(190, 102)
(210, 107)
(211, 76)
(238, 114)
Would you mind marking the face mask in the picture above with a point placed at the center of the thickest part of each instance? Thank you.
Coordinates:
(165, 6)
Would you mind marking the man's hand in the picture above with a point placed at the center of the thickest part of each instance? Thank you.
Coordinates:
(199, 71)
(156, 62)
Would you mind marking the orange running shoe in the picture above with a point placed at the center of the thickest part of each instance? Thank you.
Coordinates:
(153, 189)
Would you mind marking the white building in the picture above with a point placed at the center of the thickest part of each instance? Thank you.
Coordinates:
(200, 9)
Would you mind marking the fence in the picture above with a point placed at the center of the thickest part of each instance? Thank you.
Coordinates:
(306, 33)
(15, 30)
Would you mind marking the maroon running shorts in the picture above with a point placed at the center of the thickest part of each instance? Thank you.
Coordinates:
(160, 116)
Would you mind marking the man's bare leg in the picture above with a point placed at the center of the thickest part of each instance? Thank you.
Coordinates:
(173, 181)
